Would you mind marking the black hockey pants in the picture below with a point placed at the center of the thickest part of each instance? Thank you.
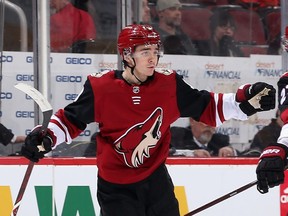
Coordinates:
(153, 196)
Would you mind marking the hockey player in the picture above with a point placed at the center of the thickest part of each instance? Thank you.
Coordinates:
(273, 160)
(134, 109)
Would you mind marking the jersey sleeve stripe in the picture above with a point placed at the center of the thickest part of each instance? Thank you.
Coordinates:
(60, 130)
(231, 109)
(220, 108)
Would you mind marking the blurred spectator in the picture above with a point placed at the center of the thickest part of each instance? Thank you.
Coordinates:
(144, 12)
(267, 135)
(256, 4)
(173, 45)
(70, 28)
(269, 3)
(222, 28)
(260, 3)
(169, 15)
(81, 4)
(274, 45)
(6, 136)
(201, 139)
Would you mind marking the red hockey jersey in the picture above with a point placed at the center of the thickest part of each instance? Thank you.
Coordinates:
(134, 120)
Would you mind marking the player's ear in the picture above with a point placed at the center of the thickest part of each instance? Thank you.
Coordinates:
(128, 58)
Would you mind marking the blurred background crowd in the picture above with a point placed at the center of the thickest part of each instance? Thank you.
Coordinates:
(251, 26)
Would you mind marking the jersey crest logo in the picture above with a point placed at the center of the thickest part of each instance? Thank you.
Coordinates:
(135, 145)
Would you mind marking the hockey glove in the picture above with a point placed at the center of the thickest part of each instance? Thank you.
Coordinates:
(37, 144)
(255, 98)
(271, 166)
(282, 97)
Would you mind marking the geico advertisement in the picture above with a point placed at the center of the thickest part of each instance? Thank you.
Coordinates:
(70, 190)
(69, 72)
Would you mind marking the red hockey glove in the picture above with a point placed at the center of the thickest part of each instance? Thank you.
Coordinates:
(282, 97)
(255, 98)
(37, 144)
(271, 166)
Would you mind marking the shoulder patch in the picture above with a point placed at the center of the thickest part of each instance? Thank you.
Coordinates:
(99, 74)
(164, 71)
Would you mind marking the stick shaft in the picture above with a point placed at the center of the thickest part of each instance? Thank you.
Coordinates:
(23, 187)
(47, 111)
(222, 198)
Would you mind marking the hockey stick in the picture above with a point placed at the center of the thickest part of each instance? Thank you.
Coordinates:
(222, 198)
(47, 111)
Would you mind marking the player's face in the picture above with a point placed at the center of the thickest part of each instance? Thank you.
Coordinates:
(146, 59)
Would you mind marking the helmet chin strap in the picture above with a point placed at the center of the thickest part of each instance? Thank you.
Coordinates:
(132, 70)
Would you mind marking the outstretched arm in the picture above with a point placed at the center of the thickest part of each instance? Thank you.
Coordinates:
(215, 108)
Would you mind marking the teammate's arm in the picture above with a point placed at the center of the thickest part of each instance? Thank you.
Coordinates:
(273, 160)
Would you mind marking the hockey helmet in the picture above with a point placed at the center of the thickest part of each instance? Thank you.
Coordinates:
(135, 35)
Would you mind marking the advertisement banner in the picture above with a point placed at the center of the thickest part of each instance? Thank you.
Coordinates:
(69, 72)
(67, 187)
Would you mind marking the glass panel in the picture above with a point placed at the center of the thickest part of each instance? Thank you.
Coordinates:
(90, 26)
(77, 26)
(18, 25)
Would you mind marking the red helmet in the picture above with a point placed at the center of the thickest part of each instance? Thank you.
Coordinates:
(136, 34)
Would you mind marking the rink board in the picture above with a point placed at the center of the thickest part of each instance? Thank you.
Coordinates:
(70, 184)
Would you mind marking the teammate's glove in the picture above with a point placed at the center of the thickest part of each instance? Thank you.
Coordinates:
(256, 97)
(271, 166)
(37, 144)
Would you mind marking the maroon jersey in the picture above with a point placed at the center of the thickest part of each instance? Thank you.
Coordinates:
(134, 120)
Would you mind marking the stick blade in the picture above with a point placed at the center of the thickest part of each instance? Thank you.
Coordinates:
(35, 95)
